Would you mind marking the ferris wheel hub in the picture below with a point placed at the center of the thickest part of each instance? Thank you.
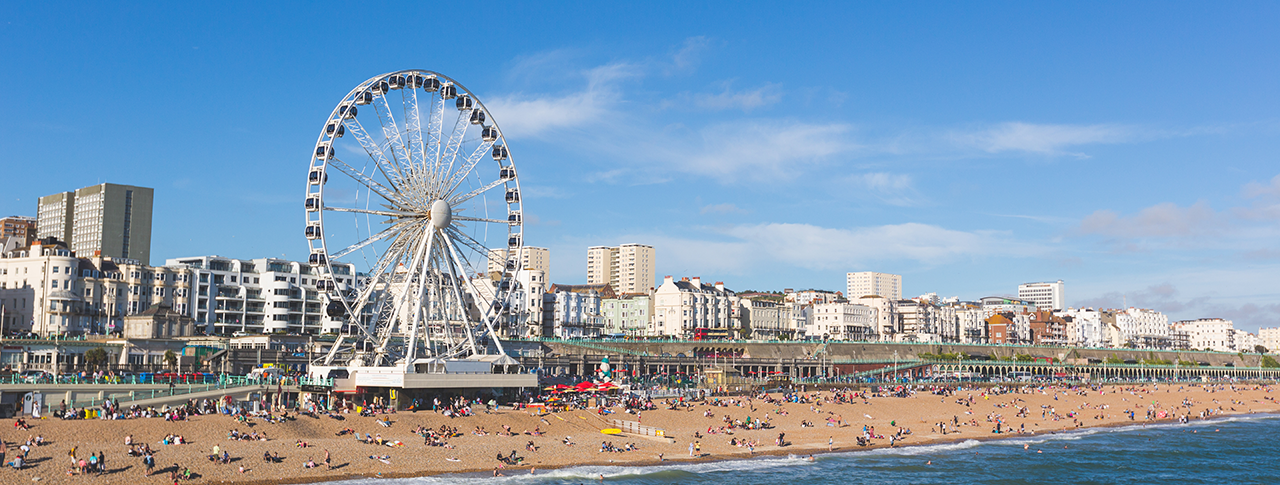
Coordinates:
(441, 214)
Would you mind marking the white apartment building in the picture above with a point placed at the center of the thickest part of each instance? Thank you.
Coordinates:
(971, 321)
(999, 304)
(1048, 296)
(264, 295)
(1143, 327)
(530, 258)
(841, 321)
(1209, 333)
(886, 326)
(1269, 338)
(1246, 342)
(865, 283)
(687, 308)
(628, 268)
(574, 311)
(1085, 327)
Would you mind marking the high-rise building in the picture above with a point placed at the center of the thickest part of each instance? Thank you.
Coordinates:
(22, 228)
(628, 268)
(1049, 296)
(529, 258)
(866, 283)
(100, 220)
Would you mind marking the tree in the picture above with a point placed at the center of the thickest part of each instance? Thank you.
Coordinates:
(170, 358)
(1269, 362)
(95, 358)
(1259, 349)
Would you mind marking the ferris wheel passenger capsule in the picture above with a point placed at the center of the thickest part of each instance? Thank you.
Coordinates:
(324, 151)
(477, 118)
(396, 82)
(313, 203)
(364, 97)
(430, 84)
(489, 133)
(316, 259)
(415, 82)
(500, 153)
(335, 130)
(507, 173)
(513, 218)
(335, 309)
(513, 195)
(380, 87)
(313, 232)
(464, 102)
(318, 176)
(347, 111)
(448, 91)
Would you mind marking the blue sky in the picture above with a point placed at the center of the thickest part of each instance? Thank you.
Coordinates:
(1129, 149)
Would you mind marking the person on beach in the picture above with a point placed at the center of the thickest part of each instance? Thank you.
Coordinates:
(327, 461)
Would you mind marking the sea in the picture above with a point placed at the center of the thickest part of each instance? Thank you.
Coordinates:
(1238, 449)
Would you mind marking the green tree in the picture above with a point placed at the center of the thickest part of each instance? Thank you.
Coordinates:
(170, 358)
(1269, 362)
(1259, 349)
(95, 358)
(1114, 360)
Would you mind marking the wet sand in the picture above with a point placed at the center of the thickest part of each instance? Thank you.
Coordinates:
(477, 454)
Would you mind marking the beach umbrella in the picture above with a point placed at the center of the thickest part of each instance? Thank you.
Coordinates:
(549, 388)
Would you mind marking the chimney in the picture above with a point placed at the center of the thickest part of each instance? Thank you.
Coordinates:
(720, 285)
(667, 279)
(697, 282)
(686, 278)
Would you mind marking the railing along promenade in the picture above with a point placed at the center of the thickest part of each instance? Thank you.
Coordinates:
(151, 389)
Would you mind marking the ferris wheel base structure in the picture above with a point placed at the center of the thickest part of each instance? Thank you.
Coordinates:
(377, 380)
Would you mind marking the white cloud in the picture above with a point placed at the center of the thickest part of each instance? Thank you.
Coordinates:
(762, 149)
(745, 100)
(1254, 189)
(689, 54)
(1158, 221)
(1043, 139)
(725, 208)
(538, 115)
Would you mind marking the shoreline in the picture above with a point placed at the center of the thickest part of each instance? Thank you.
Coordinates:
(351, 457)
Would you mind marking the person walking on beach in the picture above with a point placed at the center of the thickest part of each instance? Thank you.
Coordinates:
(327, 461)
(831, 443)
(690, 449)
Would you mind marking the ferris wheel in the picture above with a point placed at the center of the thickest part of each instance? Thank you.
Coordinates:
(413, 183)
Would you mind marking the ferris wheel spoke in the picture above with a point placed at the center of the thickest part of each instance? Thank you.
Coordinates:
(477, 246)
(389, 170)
(370, 240)
(371, 212)
(413, 126)
(450, 152)
(470, 195)
(479, 219)
(392, 137)
(486, 310)
(373, 185)
(435, 133)
(390, 259)
(465, 172)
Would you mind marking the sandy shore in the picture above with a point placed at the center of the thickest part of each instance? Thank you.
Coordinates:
(1046, 411)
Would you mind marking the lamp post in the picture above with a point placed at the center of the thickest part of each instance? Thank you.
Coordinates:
(895, 366)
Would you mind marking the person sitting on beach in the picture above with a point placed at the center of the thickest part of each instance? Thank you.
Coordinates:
(309, 464)
(568, 441)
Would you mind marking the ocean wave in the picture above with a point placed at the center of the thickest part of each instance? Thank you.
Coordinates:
(918, 449)
(669, 470)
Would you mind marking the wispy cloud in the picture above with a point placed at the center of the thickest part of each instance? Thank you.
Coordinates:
(1254, 189)
(1046, 139)
(891, 188)
(725, 208)
(745, 100)
(1158, 221)
(538, 115)
(687, 56)
(763, 149)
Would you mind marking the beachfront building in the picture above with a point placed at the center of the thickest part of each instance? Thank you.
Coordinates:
(886, 326)
(1246, 342)
(917, 322)
(1143, 328)
(765, 318)
(628, 315)
(573, 311)
(866, 283)
(1047, 296)
(970, 322)
(841, 321)
(265, 295)
(1085, 327)
(1209, 333)
(1009, 328)
(690, 309)
(1001, 304)
(628, 268)
(45, 289)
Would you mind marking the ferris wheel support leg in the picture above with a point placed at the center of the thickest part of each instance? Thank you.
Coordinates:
(485, 313)
(411, 340)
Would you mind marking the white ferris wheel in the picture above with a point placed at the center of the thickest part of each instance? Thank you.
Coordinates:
(412, 182)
